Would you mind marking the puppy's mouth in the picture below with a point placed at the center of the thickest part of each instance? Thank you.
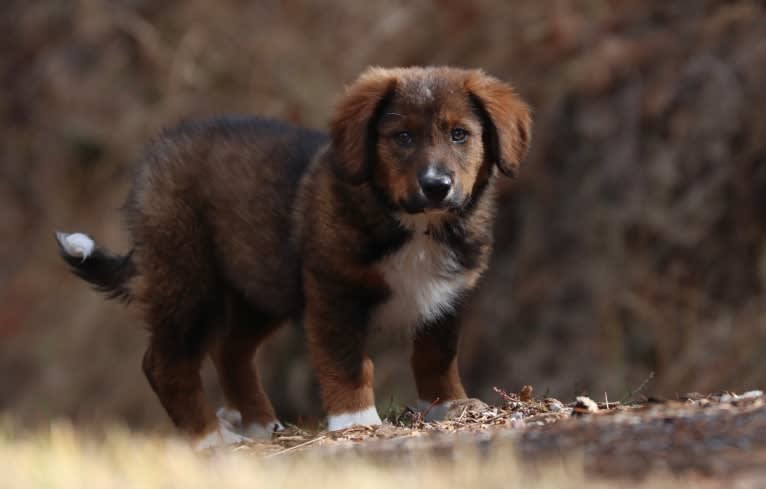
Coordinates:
(419, 204)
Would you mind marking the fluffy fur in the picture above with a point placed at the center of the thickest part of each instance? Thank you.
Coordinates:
(239, 225)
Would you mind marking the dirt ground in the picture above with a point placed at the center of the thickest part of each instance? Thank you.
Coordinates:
(691, 441)
(714, 438)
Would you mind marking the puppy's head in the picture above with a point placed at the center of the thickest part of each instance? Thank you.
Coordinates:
(427, 137)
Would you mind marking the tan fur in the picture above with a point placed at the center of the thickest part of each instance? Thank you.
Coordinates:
(510, 116)
(350, 122)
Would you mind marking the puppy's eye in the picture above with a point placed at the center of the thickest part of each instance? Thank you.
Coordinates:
(404, 138)
(459, 135)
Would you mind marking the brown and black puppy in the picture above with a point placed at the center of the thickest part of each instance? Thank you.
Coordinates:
(239, 225)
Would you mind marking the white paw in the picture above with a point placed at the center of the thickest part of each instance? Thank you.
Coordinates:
(232, 420)
(433, 412)
(76, 244)
(368, 417)
(230, 417)
(258, 431)
(450, 409)
(221, 437)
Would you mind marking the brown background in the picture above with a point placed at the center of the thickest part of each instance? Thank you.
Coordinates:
(635, 241)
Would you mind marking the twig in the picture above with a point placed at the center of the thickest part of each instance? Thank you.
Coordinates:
(462, 415)
(506, 397)
(433, 403)
(300, 445)
(638, 389)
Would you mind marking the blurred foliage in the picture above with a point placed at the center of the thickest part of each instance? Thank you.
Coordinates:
(635, 241)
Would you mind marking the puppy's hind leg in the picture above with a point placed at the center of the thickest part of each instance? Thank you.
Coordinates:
(172, 366)
(249, 410)
(179, 292)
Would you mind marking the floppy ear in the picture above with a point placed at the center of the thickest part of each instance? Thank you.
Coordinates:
(506, 119)
(352, 128)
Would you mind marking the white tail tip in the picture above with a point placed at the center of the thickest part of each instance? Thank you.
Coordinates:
(76, 244)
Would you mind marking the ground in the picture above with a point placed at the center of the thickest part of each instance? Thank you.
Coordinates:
(714, 436)
(716, 440)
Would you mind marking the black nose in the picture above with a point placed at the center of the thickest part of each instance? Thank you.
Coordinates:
(435, 185)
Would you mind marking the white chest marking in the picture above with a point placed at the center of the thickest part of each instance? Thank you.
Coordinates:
(425, 283)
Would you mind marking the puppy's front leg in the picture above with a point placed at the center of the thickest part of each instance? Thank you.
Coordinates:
(434, 363)
(336, 324)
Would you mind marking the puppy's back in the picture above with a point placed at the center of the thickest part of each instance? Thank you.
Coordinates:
(220, 192)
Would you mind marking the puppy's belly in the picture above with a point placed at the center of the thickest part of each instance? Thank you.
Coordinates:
(425, 283)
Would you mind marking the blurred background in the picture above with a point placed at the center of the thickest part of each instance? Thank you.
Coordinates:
(635, 241)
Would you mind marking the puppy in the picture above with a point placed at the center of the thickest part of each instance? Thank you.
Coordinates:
(239, 225)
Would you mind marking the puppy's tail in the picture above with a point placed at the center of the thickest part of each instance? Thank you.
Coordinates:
(108, 273)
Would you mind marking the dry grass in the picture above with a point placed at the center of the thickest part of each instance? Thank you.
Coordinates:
(64, 458)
